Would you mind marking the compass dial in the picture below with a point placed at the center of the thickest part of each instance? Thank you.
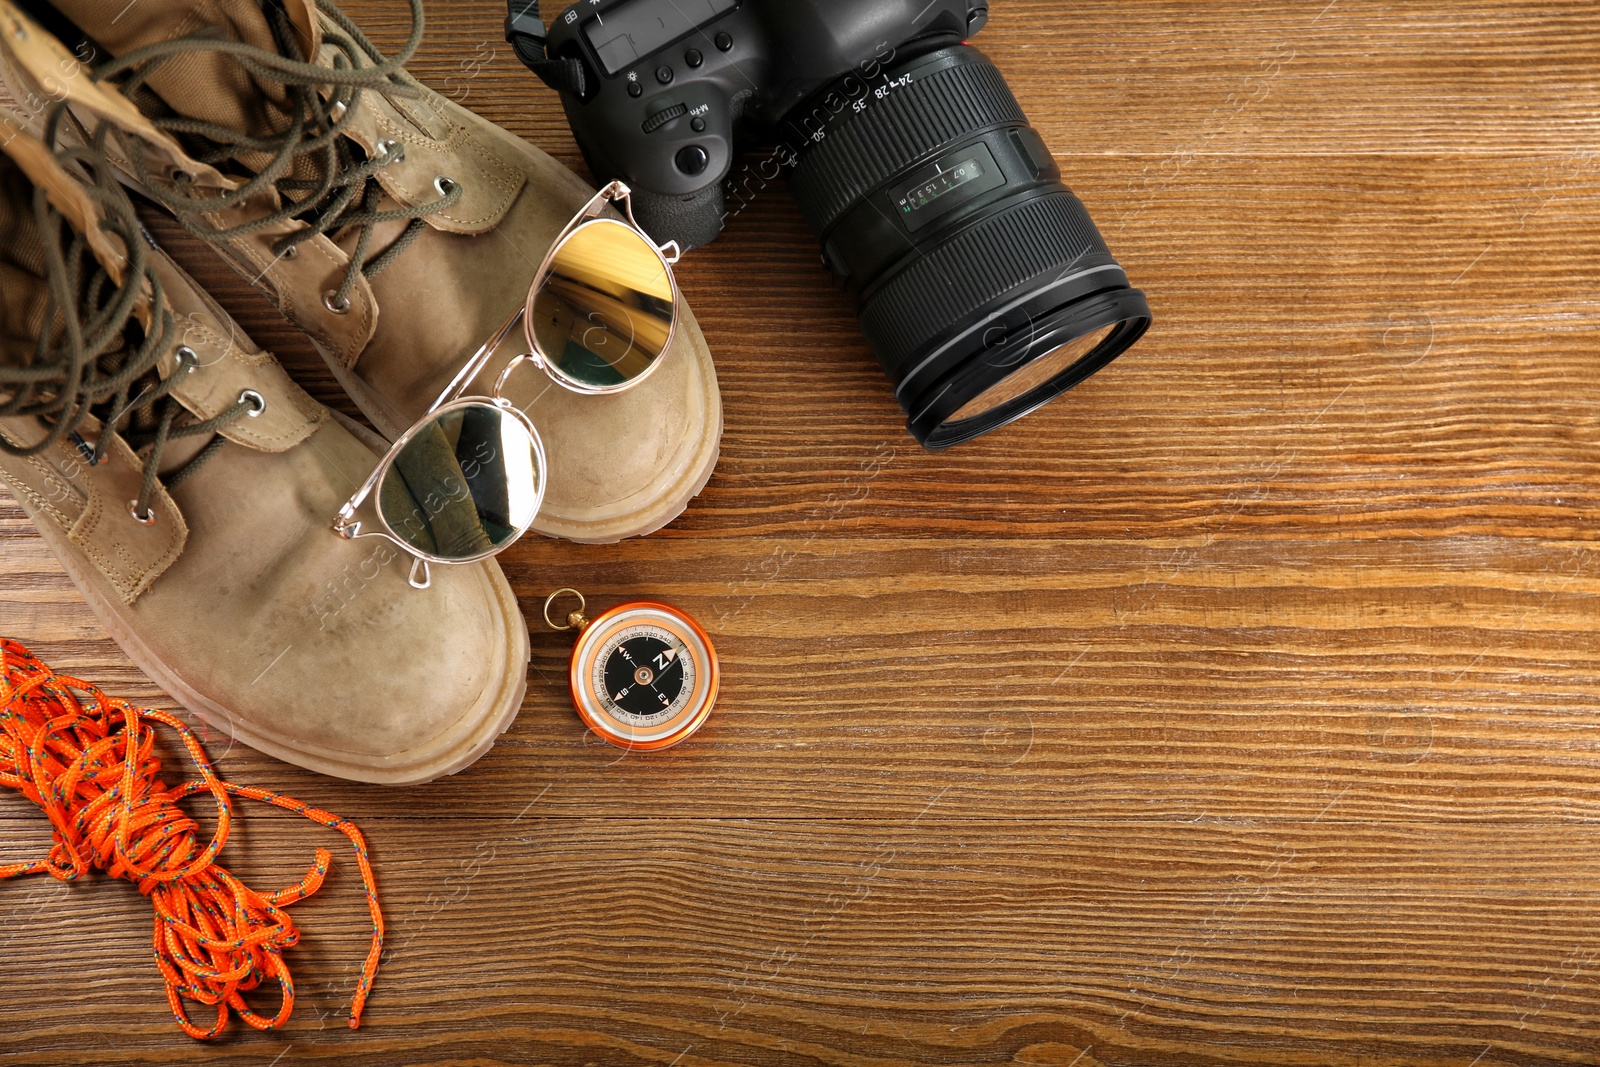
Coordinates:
(644, 676)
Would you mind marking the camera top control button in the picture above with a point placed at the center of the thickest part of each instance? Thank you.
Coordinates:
(664, 74)
(693, 160)
(635, 90)
(725, 41)
(698, 124)
(694, 58)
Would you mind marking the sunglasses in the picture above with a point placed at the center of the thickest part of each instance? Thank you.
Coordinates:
(468, 479)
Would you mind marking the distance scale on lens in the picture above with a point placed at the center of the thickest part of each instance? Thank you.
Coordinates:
(644, 675)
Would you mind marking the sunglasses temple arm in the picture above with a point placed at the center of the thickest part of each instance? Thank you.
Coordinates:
(597, 203)
(476, 364)
(617, 192)
(345, 524)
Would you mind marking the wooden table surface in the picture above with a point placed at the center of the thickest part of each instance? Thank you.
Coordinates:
(1238, 708)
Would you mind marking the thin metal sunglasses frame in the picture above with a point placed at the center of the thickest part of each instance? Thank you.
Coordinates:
(349, 527)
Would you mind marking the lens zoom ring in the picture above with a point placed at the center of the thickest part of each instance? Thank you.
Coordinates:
(866, 150)
(1041, 237)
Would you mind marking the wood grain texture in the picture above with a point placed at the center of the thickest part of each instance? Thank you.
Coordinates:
(1237, 709)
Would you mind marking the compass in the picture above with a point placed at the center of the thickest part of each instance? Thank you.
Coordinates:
(644, 675)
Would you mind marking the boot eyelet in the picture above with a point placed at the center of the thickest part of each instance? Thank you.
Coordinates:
(388, 145)
(257, 402)
(179, 176)
(290, 252)
(147, 519)
(339, 305)
(444, 185)
(86, 449)
(188, 359)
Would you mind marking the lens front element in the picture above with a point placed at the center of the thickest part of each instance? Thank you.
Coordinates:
(1032, 375)
(464, 485)
(602, 315)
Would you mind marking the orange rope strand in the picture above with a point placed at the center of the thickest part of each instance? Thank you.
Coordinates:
(89, 764)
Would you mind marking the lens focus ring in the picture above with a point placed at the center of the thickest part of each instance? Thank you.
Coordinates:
(863, 150)
(1040, 238)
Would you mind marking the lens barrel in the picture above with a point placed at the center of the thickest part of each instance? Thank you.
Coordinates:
(983, 285)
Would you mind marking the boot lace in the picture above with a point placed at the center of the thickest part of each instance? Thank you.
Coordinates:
(92, 356)
(344, 193)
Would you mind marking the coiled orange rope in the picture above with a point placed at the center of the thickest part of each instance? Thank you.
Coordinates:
(88, 763)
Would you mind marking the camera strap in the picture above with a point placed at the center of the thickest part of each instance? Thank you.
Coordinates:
(525, 33)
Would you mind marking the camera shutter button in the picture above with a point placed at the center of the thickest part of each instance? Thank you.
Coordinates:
(693, 160)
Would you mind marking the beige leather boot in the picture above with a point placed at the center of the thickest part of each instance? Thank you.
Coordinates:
(189, 489)
(396, 228)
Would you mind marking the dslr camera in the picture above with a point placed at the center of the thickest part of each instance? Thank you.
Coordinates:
(981, 282)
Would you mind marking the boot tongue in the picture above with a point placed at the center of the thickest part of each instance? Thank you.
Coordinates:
(28, 309)
(207, 86)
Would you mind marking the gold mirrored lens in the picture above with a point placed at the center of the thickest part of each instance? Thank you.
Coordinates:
(467, 484)
(603, 314)
(1030, 376)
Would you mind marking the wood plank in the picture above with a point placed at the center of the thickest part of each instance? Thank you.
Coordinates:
(1172, 79)
(932, 940)
(1174, 679)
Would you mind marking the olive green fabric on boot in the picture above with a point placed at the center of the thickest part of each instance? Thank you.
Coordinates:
(222, 577)
(205, 85)
(440, 222)
(27, 295)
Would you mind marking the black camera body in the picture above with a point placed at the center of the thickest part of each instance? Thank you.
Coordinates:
(982, 284)
(678, 84)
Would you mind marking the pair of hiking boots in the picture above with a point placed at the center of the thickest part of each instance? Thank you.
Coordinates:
(186, 483)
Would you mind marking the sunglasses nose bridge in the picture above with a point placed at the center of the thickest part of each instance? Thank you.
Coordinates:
(498, 393)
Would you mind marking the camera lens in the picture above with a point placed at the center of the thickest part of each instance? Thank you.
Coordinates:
(983, 286)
